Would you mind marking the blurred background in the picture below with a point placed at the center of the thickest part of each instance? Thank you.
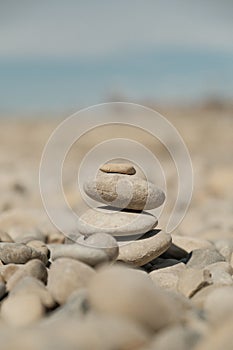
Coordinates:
(58, 56)
(174, 56)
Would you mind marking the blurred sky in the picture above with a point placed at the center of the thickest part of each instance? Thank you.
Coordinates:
(59, 55)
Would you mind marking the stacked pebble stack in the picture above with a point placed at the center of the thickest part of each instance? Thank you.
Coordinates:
(127, 193)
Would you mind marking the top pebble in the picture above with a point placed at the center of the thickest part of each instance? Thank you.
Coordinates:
(120, 168)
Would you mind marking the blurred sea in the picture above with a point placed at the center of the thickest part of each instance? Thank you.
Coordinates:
(44, 85)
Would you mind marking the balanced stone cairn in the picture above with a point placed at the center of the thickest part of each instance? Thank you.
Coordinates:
(127, 194)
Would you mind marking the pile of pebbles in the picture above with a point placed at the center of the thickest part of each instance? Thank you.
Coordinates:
(126, 285)
(126, 195)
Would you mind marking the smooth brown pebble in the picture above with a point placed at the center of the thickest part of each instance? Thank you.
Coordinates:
(121, 168)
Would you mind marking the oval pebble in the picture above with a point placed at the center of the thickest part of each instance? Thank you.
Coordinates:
(67, 275)
(125, 192)
(116, 223)
(142, 251)
(131, 294)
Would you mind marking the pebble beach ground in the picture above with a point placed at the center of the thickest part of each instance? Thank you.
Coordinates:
(159, 292)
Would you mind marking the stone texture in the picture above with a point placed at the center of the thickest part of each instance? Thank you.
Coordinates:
(193, 280)
(103, 241)
(221, 273)
(8, 270)
(127, 293)
(199, 298)
(174, 338)
(42, 248)
(34, 268)
(142, 251)
(30, 285)
(200, 258)
(5, 237)
(167, 277)
(88, 255)
(220, 338)
(67, 275)
(17, 253)
(225, 247)
(191, 243)
(22, 310)
(121, 168)
(123, 191)
(116, 223)
(218, 305)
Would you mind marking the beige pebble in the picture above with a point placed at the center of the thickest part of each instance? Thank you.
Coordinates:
(192, 280)
(190, 243)
(34, 268)
(125, 192)
(221, 273)
(8, 270)
(167, 277)
(174, 338)
(116, 223)
(67, 275)
(121, 168)
(200, 258)
(127, 293)
(220, 338)
(142, 251)
(55, 237)
(218, 305)
(31, 285)
(22, 310)
(88, 255)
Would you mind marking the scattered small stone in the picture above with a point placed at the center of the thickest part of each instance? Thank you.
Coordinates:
(225, 247)
(167, 277)
(41, 248)
(193, 280)
(221, 273)
(174, 338)
(22, 310)
(34, 268)
(55, 237)
(191, 243)
(16, 253)
(140, 252)
(31, 285)
(130, 294)
(30, 235)
(200, 258)
(220, 338)
(8, 270)
(218, 305)
(88, 255)
(67, 275)
(75, 307)
(102, 241)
